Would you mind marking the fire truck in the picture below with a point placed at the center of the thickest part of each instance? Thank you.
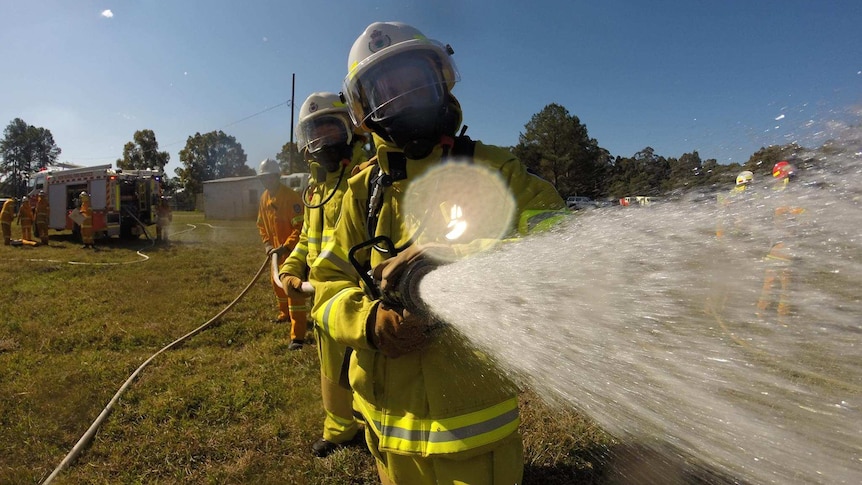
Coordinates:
(123, 201)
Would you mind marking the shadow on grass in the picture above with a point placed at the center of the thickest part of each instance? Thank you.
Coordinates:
(627, 464)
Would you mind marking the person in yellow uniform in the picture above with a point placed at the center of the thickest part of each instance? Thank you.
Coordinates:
(25, 219)
(42, 217)
(730, 217)
(436, 411)
(7, 215)
(279, 222)
(325, 135)
(787, 217)
(86, 210)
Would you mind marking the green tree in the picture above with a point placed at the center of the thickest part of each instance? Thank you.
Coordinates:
(24, 149)
(290, 160)
(645, 173)
(143, 153)
(557, 146)
(210, 156)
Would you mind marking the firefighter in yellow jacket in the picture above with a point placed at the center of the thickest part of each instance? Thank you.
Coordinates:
(435, 410)
(42, 217)
(732, 217)
(25, 219)
(279, 221)
(7, 215)
(87, 235)
(325, 135)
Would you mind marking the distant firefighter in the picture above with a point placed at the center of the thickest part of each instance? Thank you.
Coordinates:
(7, 215)
(279, 221)
(25, 219)
(42, 217)
(164, 217)
(779, 260)
(87, 223)
(733, 217)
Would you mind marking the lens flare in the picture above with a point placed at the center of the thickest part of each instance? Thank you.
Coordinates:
(459, 203)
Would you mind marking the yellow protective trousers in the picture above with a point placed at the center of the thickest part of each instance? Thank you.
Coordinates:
(87, 230)
(26, 229)
(42, 229)
(500, 463)
(339, 425)
(7, 233)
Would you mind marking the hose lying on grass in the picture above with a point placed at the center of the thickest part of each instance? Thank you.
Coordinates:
(88, 435)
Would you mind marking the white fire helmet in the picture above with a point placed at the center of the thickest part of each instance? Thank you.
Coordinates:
(744, 177)
(268, 167)
(324, 120)
(393, 60)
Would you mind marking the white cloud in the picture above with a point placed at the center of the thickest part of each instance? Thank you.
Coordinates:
(107, 14)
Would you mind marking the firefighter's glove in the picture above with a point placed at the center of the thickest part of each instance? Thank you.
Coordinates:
(292, 285)
(279, 251)
(395, 331)
(388, 273)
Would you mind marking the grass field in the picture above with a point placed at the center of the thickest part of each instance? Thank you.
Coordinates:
(231, 405)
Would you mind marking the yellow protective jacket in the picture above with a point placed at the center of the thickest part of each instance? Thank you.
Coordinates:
(732, 218)
(42, 210)
(25, 213)
(446, 398)
(279, 217)
(320, 222)
(7, 215)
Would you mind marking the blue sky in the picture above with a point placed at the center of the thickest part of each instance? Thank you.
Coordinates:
(723, 78)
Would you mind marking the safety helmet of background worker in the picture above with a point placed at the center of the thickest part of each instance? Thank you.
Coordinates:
(783, 170)
(325, 130)
(269, 167)
(744, 177)
(399, 86)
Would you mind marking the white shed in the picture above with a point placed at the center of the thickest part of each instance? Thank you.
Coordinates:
(238, 197)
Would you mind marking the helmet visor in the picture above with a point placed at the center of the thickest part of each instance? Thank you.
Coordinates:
(317, 133)
(410, 79)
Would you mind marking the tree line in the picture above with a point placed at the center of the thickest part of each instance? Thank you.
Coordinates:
(557, 146)
(554, 144)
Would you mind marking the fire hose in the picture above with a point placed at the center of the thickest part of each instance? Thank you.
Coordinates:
(91, 432)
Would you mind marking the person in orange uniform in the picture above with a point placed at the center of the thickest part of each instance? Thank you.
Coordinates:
(87, 224)
(164, 217)
(25, 219)
(42, 217)
(779, 260)
(7, 215)
(279, 221)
